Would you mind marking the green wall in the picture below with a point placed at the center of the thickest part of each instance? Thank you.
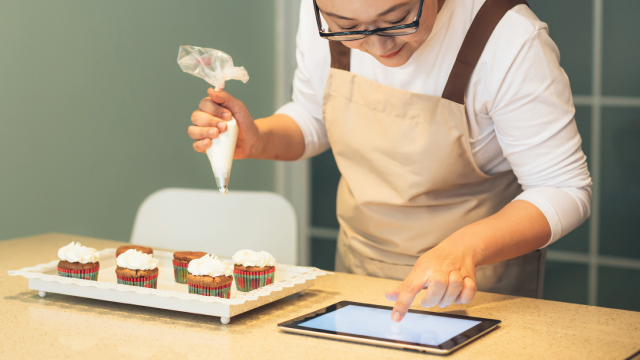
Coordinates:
(94, 108)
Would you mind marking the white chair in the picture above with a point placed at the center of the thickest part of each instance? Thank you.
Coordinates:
(203, 220)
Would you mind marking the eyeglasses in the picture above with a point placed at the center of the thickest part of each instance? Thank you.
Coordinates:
(398, 30)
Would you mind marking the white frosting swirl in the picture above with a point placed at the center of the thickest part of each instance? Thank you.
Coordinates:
(252, 258)
(210, 265)
(136, 260)
(76, 253)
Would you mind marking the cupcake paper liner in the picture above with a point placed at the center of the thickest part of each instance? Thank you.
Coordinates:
(180, 271)
(221, 291)
(148, 282)
(251, 280)
(90, 274)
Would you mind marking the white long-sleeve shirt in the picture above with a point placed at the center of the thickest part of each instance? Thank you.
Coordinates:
(518, 102)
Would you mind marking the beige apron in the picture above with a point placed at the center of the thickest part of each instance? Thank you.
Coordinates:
(409, 179)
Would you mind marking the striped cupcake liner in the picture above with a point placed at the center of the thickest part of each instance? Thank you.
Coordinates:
(248, 280)
(180, 271)
(90, 274)
(220, 291)
(148, 282)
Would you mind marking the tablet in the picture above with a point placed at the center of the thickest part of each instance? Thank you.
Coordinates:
(371, 324)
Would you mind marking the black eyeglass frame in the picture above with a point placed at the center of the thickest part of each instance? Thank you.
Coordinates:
(366, 33)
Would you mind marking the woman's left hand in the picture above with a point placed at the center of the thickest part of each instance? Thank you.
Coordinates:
(448, 273)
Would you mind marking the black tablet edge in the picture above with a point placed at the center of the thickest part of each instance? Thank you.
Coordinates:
(449, 345)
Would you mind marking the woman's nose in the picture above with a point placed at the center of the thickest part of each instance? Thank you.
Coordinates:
(379, 45)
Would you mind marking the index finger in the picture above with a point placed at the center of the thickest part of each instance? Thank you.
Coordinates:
(208, 106)
(201, 118)
(408, 290)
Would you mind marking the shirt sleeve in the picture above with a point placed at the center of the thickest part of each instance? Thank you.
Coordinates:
(306, 107)
(533, 114)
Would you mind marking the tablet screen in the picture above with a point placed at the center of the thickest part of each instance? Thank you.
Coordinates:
(368, 321)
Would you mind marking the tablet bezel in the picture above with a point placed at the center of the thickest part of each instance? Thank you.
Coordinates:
(446, 347)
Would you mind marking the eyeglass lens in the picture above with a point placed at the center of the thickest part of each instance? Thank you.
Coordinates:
(397, 32)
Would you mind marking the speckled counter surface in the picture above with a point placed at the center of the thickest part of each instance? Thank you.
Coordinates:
(65, 327)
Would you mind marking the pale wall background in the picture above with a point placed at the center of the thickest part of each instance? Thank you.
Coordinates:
(94, 108)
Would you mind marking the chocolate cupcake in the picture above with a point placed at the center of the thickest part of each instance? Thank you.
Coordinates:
(136, 268)
(78, 262)
(209, 276)
(181, 261)
(253, 270)
(143, 249)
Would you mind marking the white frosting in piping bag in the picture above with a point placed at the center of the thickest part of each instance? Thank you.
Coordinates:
(136, 260)
(76, 253)
(252, 258)
(210, 265)
(221, 153)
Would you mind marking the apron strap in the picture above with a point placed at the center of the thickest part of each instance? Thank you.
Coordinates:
(340, 55)
(474, 42)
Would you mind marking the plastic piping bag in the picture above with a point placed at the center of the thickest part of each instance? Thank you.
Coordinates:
(215, 67)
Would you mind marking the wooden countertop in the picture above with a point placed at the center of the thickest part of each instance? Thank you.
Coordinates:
(66, 327)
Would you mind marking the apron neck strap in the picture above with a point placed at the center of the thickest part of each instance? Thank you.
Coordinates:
(474, 42)
(340, 55)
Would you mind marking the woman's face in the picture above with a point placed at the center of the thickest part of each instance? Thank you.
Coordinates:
(392, 51)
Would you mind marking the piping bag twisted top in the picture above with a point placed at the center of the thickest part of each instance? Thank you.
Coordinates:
(214, 66)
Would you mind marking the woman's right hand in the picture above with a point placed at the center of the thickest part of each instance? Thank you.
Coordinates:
(210, 120)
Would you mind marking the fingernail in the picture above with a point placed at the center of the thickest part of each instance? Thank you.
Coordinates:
(222, 126)
(213, 132)
(226, 116)
(396, 316)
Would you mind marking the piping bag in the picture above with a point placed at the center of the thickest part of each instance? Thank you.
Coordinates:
(215, 67)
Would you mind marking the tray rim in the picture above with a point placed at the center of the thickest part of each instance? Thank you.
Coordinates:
(305, 274)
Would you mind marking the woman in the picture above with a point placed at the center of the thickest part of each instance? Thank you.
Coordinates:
(439, 114)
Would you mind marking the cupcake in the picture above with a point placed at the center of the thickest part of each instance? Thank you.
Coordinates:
(123, 248)
(209, 276)
(79, 262)
(137, 269)
(253, 270)
(181, 261)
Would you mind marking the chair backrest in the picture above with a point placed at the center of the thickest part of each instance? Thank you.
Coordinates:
(203, 220)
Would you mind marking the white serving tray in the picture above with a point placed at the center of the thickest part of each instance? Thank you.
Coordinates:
(169, 295)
